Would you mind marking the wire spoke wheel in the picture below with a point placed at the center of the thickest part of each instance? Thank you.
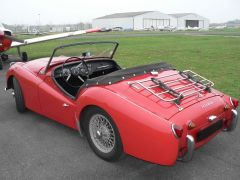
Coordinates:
(102, 133)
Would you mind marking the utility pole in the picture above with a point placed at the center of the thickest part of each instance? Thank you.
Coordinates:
(39, 16)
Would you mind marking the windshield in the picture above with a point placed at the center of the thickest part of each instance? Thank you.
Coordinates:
(1, 26)
(87, 50)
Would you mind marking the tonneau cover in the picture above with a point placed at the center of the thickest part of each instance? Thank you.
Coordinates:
(128, 73)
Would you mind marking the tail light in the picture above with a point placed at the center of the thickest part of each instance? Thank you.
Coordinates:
(234, 102)
(177, 130)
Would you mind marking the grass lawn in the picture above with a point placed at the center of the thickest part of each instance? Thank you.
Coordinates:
(215, 57)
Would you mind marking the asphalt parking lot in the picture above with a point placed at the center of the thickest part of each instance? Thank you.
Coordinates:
(34, 147)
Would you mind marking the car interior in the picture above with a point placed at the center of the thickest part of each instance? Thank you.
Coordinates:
(69, 77)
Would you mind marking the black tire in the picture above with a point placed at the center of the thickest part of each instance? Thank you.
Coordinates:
(19, 99)
(4, 57)
(1, 64)
(24, 56)
(117, 150)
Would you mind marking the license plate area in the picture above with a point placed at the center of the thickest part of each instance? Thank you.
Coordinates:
(205, 133)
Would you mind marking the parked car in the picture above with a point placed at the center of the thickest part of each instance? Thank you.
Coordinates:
(153, 112)
(117, 29)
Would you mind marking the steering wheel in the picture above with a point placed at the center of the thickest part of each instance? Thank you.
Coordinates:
(77, 71)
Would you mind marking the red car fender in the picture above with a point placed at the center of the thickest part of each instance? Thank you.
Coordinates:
(28, 83)
(143, 134)
(228, 107)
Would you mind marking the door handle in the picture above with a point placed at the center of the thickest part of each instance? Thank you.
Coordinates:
(65, 105)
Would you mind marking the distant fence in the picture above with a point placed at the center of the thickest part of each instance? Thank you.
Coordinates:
(48, 28)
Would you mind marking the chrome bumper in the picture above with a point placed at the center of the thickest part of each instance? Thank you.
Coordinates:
(233, 124)
(190, 148)
(191, 143)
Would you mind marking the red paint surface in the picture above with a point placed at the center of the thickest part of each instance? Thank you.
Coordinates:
(5, 44)
(144, 122)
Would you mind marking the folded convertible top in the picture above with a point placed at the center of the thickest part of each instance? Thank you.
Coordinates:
(124, 74)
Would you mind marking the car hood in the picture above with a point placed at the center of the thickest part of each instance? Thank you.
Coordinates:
(35, 66)
(150, 102)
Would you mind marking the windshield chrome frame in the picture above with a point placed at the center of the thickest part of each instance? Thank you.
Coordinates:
(80, 43)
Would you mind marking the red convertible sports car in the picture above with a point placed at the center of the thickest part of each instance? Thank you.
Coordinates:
(152, 112)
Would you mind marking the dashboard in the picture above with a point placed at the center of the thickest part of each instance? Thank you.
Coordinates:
(69, 77)
(90, 68)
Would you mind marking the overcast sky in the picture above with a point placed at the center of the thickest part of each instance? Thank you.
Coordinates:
(74, 11)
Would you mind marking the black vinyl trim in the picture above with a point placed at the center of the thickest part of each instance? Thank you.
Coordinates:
(116, 76)
(125, 74)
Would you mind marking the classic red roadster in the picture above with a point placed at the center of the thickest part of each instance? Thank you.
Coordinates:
(152, 112)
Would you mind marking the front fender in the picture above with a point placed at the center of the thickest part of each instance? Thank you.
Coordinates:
(143, 134)
(10, 73)
(28, 83)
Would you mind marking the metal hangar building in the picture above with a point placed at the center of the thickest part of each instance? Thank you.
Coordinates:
(151, 19)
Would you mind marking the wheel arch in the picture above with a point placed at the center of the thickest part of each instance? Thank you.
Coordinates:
(142, 133)
(10, 82)
(83, 113)
(82, 117)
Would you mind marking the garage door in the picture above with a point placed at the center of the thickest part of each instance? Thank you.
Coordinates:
(192, 23)
(166, 22)
(201, 24)
(155, 23)
(147, 23)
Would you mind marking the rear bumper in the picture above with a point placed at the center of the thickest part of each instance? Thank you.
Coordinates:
(233, 124)
(190, 149)
(191, 142)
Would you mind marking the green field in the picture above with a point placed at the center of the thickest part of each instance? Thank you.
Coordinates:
(215, 57)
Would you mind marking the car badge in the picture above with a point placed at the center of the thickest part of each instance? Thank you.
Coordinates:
(207, 104)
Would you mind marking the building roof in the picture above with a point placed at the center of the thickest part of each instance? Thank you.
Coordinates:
(124, 15)
(180, 14)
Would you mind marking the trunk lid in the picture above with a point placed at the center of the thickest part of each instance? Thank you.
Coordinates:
(149, 100)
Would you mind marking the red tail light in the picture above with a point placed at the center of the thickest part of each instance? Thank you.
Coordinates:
(234, 102)
(177, 130)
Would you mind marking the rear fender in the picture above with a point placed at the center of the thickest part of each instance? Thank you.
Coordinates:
(144, 134)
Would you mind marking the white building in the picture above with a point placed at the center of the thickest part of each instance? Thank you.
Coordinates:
(151, 19)
(190, 20)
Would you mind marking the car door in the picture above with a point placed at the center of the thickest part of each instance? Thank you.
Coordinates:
(55, 104)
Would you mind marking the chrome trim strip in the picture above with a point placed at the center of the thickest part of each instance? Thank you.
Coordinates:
(78, 125)
(12, 63)
(174, 132)
(190, 146)
(231, 101)
(235, 117)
